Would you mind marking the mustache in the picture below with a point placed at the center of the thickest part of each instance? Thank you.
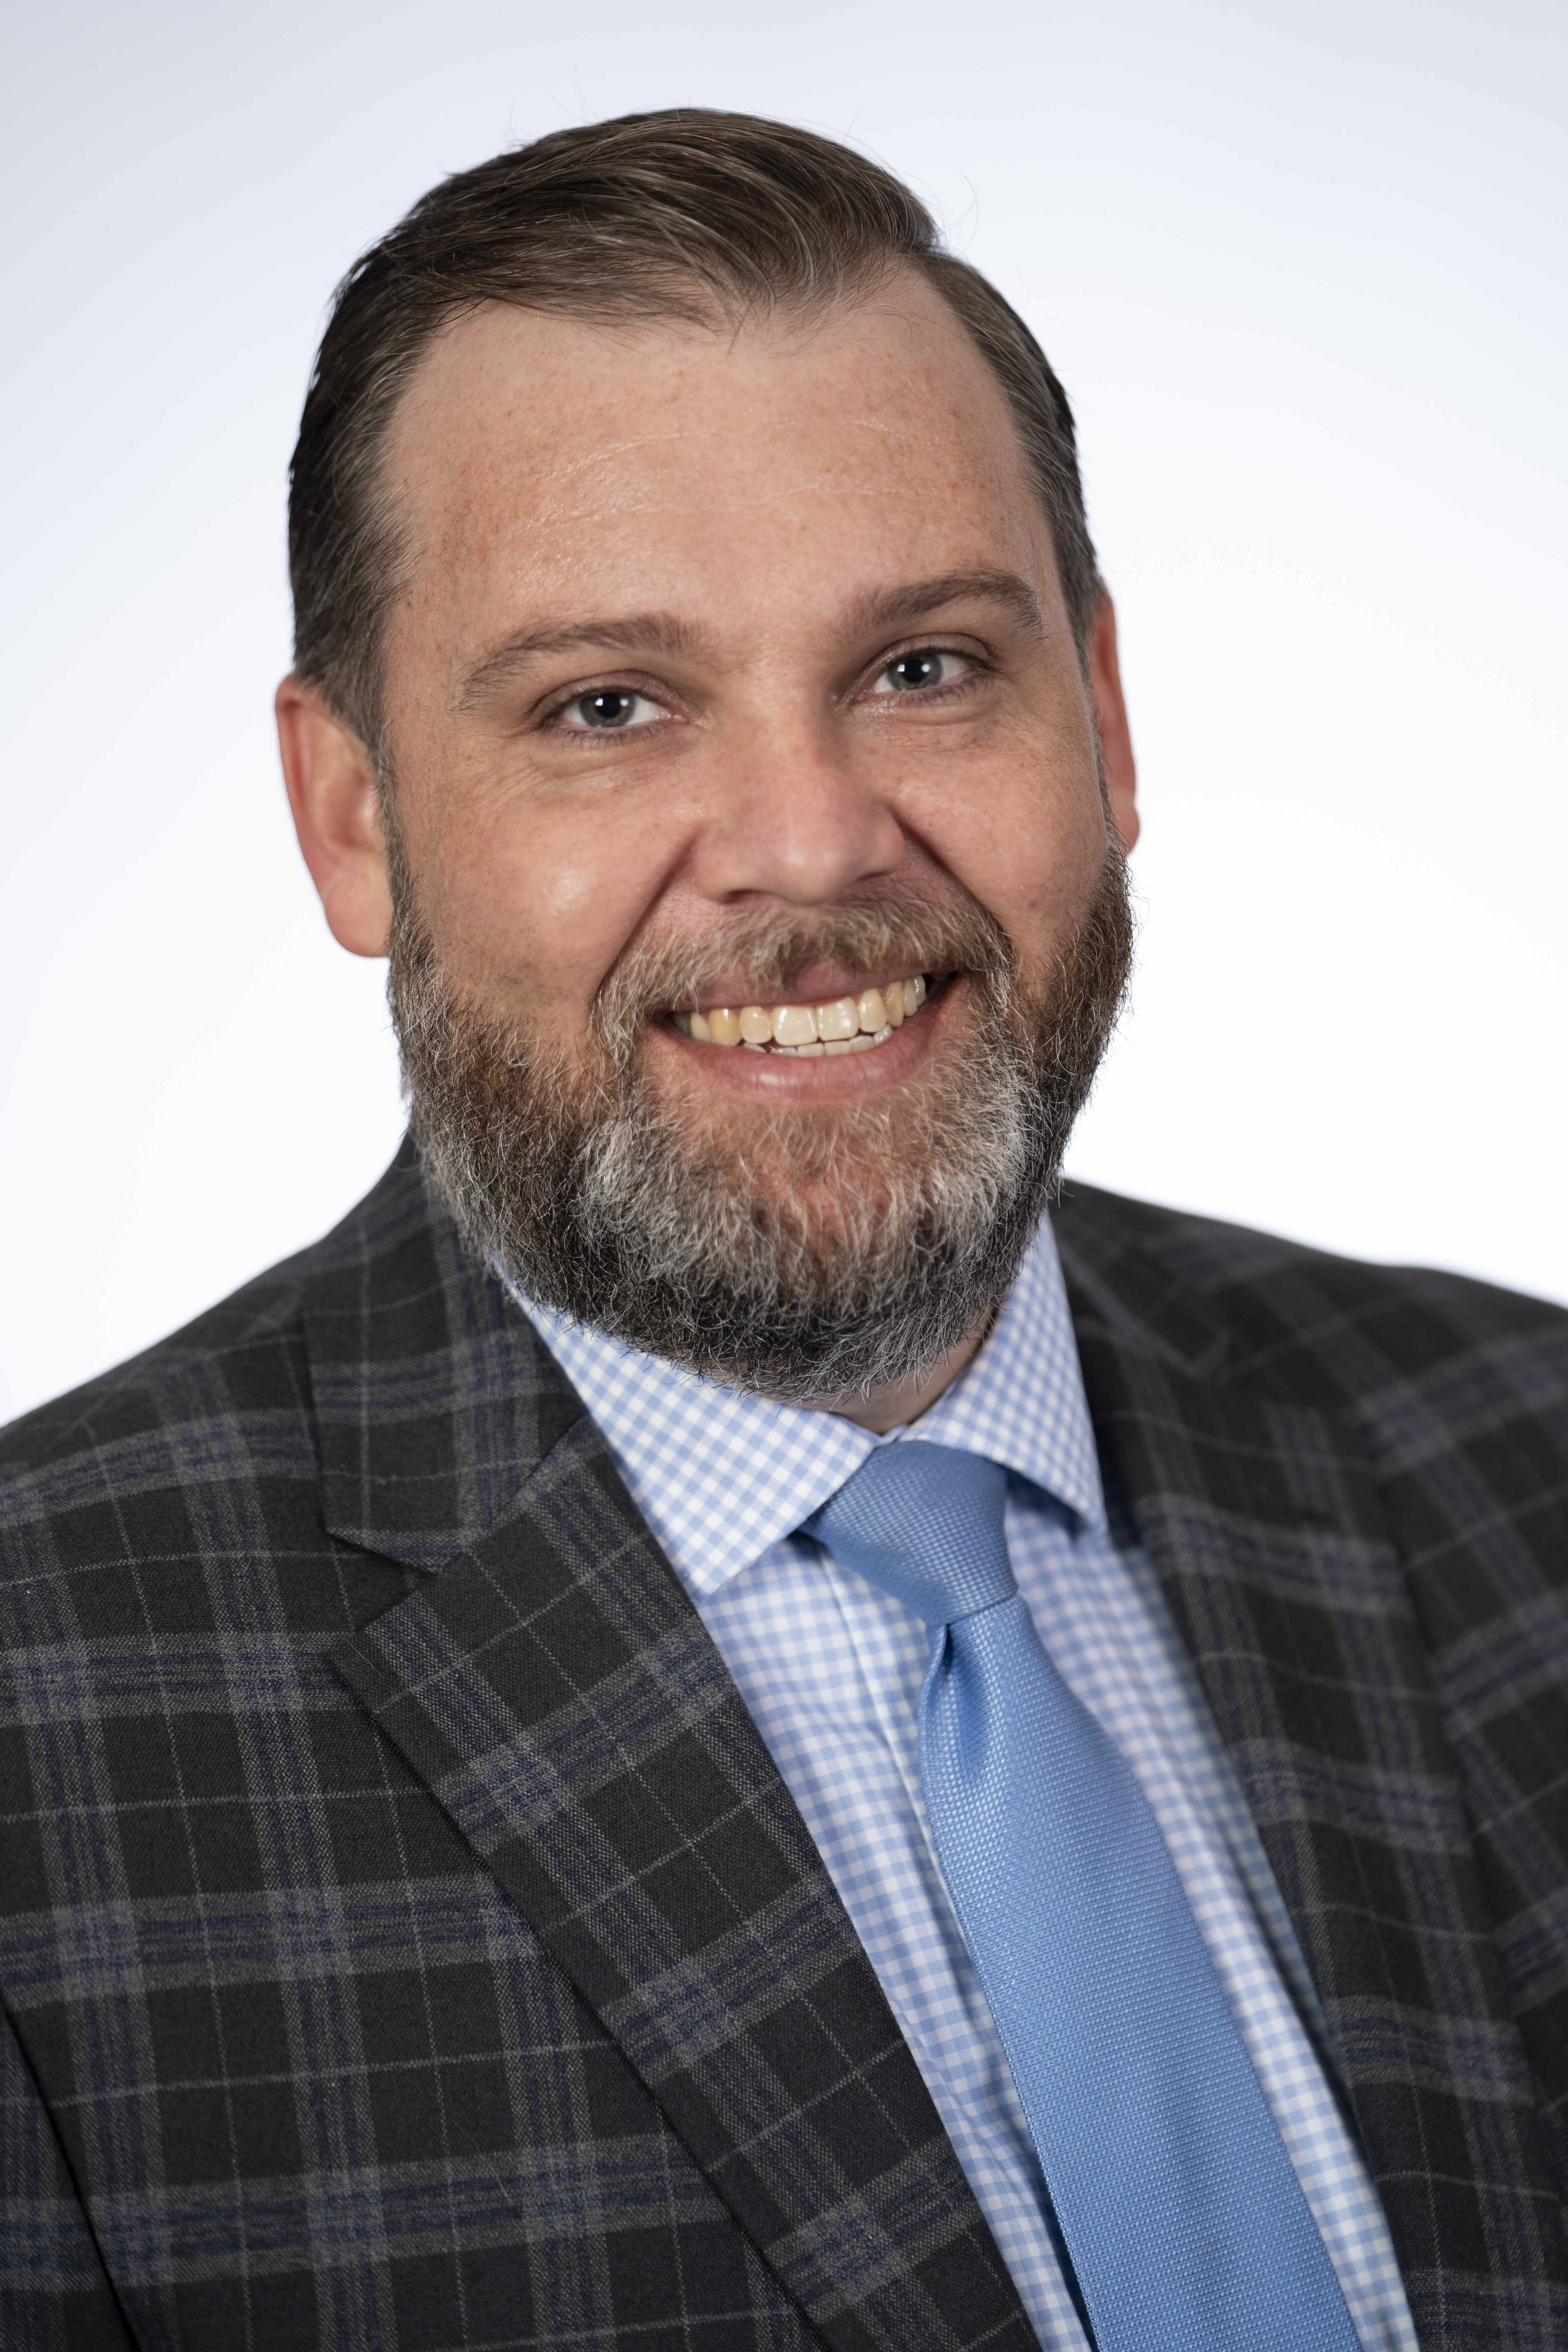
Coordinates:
(864, 935)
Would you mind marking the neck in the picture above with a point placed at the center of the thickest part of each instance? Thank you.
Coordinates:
(898, 1402)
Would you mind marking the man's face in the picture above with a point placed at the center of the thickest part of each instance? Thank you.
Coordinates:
(731, 542)
(732, 675)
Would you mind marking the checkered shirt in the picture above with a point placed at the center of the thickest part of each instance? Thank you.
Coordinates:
(832, 1669)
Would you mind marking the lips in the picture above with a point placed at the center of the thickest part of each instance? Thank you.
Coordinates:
(843, 1025)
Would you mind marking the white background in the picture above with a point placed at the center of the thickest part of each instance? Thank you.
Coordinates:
(1302, 271)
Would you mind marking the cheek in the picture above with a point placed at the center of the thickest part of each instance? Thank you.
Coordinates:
(534, 914)
(570, 891)
(1027, 838)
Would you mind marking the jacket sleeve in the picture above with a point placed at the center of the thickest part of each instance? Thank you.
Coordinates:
(54, 2295)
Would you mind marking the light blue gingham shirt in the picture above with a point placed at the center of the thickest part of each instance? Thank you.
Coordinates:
(832, 1668)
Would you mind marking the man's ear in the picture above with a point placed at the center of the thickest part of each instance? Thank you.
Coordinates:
(1110, 718)
(337, 815)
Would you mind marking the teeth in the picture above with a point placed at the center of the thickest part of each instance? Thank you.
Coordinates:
(847, 1025)
(793, 1025)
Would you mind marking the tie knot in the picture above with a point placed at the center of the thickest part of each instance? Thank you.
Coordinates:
(926, 1523)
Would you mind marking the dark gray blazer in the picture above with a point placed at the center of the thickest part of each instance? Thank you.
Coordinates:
(405, 1938)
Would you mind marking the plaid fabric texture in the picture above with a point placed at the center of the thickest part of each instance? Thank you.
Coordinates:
(1354, 1485)
(407, 1940)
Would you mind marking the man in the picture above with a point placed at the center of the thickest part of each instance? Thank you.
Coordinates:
(704, 1727)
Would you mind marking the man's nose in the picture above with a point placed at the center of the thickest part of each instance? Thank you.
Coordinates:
(796, 821)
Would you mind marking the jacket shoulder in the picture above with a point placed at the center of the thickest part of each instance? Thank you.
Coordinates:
(240, 1359)
(1259, 1307)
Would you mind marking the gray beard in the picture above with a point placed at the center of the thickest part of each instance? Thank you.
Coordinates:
(811, 1253)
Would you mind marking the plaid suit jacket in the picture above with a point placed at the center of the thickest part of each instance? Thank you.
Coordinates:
(406, 1941)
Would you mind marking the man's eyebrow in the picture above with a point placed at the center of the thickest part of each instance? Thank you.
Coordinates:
(897, 608)
(662, 633)
(634, 633)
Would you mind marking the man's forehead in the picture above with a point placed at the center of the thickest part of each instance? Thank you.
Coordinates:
(752, 486)
(578, 412)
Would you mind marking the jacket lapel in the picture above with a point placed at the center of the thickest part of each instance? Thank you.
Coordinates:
(1262, 1520)
(551, 1684)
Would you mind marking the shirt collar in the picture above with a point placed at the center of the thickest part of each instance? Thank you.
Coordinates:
(720, 1475)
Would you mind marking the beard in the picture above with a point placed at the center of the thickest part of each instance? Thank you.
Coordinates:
(806, 1253)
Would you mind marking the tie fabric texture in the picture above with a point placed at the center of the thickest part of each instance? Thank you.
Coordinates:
(1178, 2204)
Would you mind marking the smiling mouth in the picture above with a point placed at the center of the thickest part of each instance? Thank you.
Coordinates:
(843, 1024)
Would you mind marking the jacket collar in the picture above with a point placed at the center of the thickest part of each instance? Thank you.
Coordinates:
(434, 1401)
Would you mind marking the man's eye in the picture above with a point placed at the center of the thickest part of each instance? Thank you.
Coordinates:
(607, 708)
(926, 668)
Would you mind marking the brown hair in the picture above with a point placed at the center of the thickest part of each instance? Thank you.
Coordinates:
(687, 214)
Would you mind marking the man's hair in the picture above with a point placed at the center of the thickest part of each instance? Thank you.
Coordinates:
(688, 215)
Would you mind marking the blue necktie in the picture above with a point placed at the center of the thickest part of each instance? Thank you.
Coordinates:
(1181, 2211)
